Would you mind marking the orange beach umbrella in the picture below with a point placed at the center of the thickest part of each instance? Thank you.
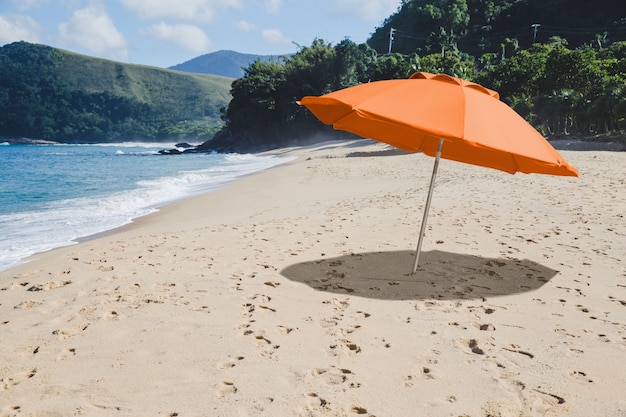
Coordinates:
(441, 116)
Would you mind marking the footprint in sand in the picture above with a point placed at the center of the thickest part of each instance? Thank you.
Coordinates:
(48, 286)
(343, 347)
(106, 268)
(268, 350)
(259, 405)
(358, 410)
(71, 331)
(202, 309)
(339, 304)
(581, 376)
(382, 341)
(28, 304)
(361, 315)
(248, 309)
(262, 298)
(284, 329)
(316, 402)
(9, 382)
(471, 346)
(85, 311)
(225, 389)
(582, 308)
(15, 286)
(231, 362)
(66, 354)
(12, 410)
(335, 376)
(349, 329)
(485, 327)
(110, 315)
(425, 370)
(329, 322)
(262, 340)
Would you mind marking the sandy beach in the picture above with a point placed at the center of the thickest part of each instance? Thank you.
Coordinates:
(289, 293)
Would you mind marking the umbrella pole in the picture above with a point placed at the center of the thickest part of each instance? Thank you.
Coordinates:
(427, 207)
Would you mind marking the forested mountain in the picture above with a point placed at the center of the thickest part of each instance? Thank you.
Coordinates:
(479, 27)
(567, 77)
(48, 93)
(226, 63)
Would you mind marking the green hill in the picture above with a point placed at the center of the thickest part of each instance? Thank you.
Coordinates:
(52, 94)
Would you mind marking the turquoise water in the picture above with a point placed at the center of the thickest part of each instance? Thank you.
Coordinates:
(51, 195)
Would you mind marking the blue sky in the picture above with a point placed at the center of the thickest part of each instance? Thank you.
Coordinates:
(163, 33)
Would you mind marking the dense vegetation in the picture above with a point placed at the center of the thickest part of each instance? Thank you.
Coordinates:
(47, 93)
(496, 27)
(560, 91)
(573, 84)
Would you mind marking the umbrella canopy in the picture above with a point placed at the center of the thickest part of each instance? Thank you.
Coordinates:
(441, 116)
(413, 114)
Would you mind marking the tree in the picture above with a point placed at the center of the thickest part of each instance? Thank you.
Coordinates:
(353, 63)
(254, 110)
(451, 63)
(392, 66)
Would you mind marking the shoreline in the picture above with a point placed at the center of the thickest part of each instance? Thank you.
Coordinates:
(155, 210)
(573, 144)
(138, 221)
(288, 292)
(565, 144)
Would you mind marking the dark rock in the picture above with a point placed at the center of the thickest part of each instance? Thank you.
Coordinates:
(170, 152)
(183, 145)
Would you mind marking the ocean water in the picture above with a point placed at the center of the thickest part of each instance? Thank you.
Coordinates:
(51, 195)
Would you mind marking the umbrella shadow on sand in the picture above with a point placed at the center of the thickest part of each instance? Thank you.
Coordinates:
(442, 276)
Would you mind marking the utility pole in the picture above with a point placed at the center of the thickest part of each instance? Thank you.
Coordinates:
(535, 27)
(391, 38)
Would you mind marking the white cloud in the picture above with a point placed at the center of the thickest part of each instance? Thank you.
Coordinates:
(187, 10)
(189, 37)
(94, 30)
(244, 26)
(18, 28)
(29, 4)
(273, 6)
(274, 36)
(373, 10)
